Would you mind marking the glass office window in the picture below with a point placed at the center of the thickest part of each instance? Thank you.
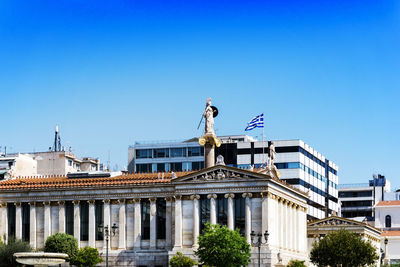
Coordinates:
(144, 153)
(178, 152)
(161, 167)
(195, 151)
(161, 153)
(176, 166)
(144, 167)
(197, 165)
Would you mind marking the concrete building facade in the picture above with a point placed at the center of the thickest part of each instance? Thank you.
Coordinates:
(15, 165)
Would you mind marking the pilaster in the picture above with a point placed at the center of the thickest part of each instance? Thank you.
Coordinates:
(18, 220)
(77, 221)
(61, 216)
(32, 225)
(92, 223)
(168, 223)
(122, 223)
(107, 222)
(153, 224)
(178, 222)
(137, 229)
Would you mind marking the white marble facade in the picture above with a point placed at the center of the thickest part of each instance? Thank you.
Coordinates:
(269, 204)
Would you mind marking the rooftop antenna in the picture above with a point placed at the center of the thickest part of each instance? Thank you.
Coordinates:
(57, 140)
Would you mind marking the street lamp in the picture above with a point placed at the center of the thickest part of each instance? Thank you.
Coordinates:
(106, 231)
(256, 239)
(385, 260)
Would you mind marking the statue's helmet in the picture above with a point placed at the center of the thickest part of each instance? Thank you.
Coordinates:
(208, 102)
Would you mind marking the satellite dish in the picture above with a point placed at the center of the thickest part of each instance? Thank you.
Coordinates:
(215, 111)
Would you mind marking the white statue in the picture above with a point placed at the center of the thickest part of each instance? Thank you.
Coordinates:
(272, 155)
(209, 116)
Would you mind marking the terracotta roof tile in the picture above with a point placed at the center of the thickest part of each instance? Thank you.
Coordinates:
(390, 233)
(388, 203)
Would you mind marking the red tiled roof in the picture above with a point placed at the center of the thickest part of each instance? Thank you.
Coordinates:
(64, 182)
(390, 233)
(389, 203)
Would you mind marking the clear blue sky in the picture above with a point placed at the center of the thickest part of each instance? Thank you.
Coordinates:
(111, 73)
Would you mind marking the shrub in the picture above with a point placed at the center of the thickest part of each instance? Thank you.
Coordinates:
(7, 251)
(87, 257)
(62, 243)
(296, 263)
(181, 261)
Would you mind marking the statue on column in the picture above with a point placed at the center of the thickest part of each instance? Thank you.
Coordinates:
(272, 155)
(270, 167)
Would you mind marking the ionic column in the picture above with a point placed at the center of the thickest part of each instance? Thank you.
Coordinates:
(3, 220)
(122, 222)
(92, 224)
(168, 223)
(282, 222)
(61, 216)
(247, 197)
(213, 208)
(77, 221)
(18, 220)
(153, 224)
(264, 212)
(287, 222)
(178, 222)
(196, 223)
(32, 224)
(297, 228)
(137, 228)
(231, 219)
(47, 219)
(107, 222)
(291, 224)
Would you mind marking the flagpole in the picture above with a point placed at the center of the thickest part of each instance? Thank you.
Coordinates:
(263, 141)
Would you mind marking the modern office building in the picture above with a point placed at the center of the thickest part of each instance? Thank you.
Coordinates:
(358, 200)
(300, 165)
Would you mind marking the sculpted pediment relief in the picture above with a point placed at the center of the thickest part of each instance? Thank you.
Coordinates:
(335, 221)
(219, 173)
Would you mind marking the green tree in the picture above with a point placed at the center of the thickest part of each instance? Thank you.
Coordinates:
(343, 248)
(181, 261)
(220, 246)
(87, 257)
(62, 243)
(7, 251)
(296, 263)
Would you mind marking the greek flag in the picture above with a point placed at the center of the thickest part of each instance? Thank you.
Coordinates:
(256, 122)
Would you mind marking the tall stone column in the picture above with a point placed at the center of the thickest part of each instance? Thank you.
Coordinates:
(47, 219)
(137, 230)
(61, 216)
(3, 219)
(122, 223)
(196, 222)
(297, 228)
(247, 230)
(281, 221)
(92, 224)
(18, 220)
(153, 223)
(178, 222)
(77, 221)
(107, 222)
(264, 212)
(231, 218)
(209, 152)
(32, 224)
(168, 223)
(213, 208)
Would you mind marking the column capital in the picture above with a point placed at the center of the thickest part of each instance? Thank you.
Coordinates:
(153, 199)
(47, 203)
(178, 197)
(169, 199)
(18, 204)
(136, 200)
(193, 197)
(91, 201)
(61, 202)
(245, 195)
(121, 201)
(106, 201)
(130, 201)
(229, 195)
(210, 196)
(76, 202)
(32, 203)
(3, 204)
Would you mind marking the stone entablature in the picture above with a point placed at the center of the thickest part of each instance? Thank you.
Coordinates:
(268, 205)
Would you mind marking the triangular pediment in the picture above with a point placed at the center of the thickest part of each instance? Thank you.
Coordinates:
(335, 221)
(220, 173)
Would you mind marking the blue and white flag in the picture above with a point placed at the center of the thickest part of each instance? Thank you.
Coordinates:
(256, 122)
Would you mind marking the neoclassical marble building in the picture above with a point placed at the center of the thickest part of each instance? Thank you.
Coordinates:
(158, 214)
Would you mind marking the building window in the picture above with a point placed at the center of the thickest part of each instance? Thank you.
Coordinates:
(204, 211)
(161, 152)
(161, 217)
(11, 219)
(178, 152)
(144, 153)
(161, 167)
(69, 162)
(388, 221)
(222, 210)
(69, 217)
(145, 219)
(197, 165)
(84, 212)
(25, 222)
(195, 151)
(98, 210)
(144, 167)
(240, 215)
(176, 166)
